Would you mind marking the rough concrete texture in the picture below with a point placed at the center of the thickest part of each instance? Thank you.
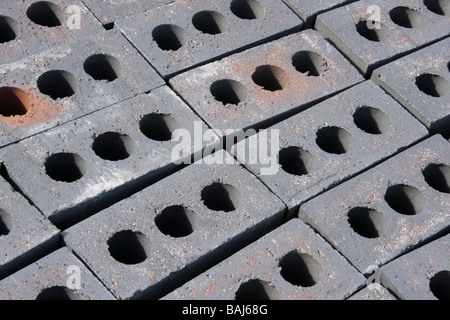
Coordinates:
(388, 210)
(253, 87)
(67, 82)
(184, 224)
(109, 11)
(76, 167)
(308, 10)
(28, 27)
(24, 232)
(331, 142)
(185, 34)
(406, 25)
(423, 274)
(290, 263)
(377, 293)
(421, 83)
(54, 277)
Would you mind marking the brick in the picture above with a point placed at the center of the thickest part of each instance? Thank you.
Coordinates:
(102, 157)
(331, 142)
(24, 232)
(421, 83)
(388, 210)
(290, 263)
(184, 34)
(227, 96)
(406, 25)
(49, 279)
(107, 11)
(373, 294)
(422, 274)
(152, 242)
(67, 82)
(28, 27)
(308, 10)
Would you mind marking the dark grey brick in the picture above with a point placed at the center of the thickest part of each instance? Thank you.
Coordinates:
(423, 274)
(24, 232)
(290, 263)
(406, 25)
(72, 170)
(227, 96)
(50, 279)
(185, 34)
(308, 10)
(421, 83)
(331, 142)
(69, 81)
(151, 243)
(389, 209)
(28, 27)
(109, 11)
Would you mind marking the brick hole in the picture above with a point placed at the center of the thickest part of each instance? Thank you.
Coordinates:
(6, 223)
(257, 289)
(247, 9)
(406, 17)
(210, 22)
(9, 29)
(296, 161)
(13, 102)
(300, 269)
(405, 199)
(65, 167)
(169, 37)
(46, 14)
(334, 140)
(229, 91)
(270, 78)
(103, 67)
(159, 127)
(57, 293)
(113, 146)
(129, 247)
(433, 85)
(438, 177)
(375, 35)
(221, 197)
(177, 221)
(309, 63)
(367, 222)
(448, 66)
(371, 120)
(440, 285)
(57, 84)
(441, 7)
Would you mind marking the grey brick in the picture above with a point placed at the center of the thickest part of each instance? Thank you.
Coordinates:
(184, 34)
(71, 171)
(84, 76)
(421, 83)
(308, 10)
(388, 210)
(24, 232)
(422, 274)
(154, 241)
(227, 97)
(50, 279)
(331, 142)
(406, 25)
(28, 27)
(290, 263)
(109, 11)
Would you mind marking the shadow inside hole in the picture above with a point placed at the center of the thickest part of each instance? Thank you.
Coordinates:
(176, 221)
(6, 223)
(247, 9)
(371, 120)
(334, 140)
(13, 102)
(406, 17)
(375, 34)
(57, 84)
(221, 197)
(438, 177)
(65, 167)
(367, 222)
(300, 269)
(129, 247)
(433, 85)
(210, 22)
(57, 293)
(440, 7)
(158, 127)
(309, 63)
(46, 14)
(169, 37)
(405, 199)
(103, 67)
(9, 29)
(257, 290)
(296, 161)
(229, 91)
(113, 146)
(440, 285)
(270, 78)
